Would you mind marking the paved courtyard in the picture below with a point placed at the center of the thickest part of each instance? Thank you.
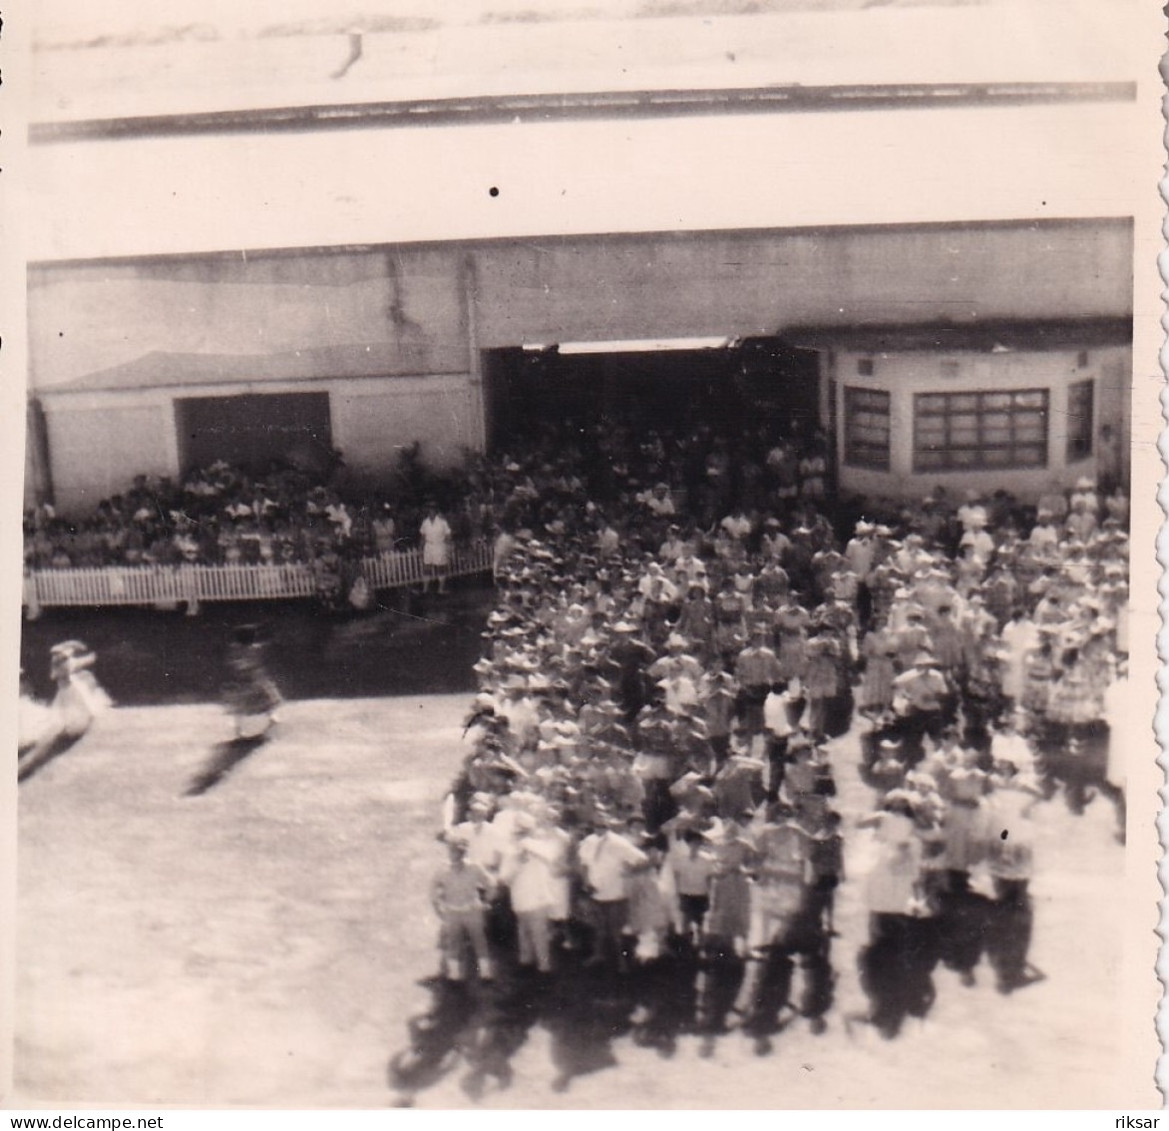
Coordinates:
(261, 942)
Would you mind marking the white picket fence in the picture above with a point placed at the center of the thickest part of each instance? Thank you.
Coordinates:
(193, 584)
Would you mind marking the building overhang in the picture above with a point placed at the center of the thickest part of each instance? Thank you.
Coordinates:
(989, 336)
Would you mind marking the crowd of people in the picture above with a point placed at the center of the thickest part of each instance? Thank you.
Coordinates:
(678, 637)
(223, 515)
(683, 624)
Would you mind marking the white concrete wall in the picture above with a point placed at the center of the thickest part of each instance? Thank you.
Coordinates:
(374, 420)
(215, 192)
(905, 375)
(92, 316)
(98, 444)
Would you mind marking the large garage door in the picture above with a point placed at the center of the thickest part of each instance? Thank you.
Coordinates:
(255, 431)
(759, 381)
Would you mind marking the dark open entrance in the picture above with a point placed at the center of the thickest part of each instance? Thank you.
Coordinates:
(760, 382)
(255, 431)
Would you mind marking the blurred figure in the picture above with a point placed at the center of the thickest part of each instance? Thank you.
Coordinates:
(47, 731)
(249, 693)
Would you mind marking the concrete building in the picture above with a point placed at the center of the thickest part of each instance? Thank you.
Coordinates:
(394, 257)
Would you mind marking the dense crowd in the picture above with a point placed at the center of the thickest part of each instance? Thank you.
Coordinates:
(682, 626)
(223, 515)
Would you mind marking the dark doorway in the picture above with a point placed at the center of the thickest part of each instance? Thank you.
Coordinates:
(255, 431)
(759, 381)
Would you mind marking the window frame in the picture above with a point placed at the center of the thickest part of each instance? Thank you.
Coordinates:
(864, 452)
(971, 426)
(1081, 424)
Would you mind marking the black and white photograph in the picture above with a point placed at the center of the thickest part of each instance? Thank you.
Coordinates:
(585, 554)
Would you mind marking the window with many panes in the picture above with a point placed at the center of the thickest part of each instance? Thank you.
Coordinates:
(1080, 420)
(980, 431)
(866, 428)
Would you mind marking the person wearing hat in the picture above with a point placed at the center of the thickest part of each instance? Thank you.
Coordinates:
(771, 585)
(719, 694)
(481, 717)
(1082, 522)
(757, 668)
(823, 682)
(791, 622)
(1020, 637)
(677, 661)
(658, 596)
(825, 864)
(1117, 506)
(887, 771)
(608, 540)
(606, 859)
(729, 620)
(979, 543)
(972, 514)
(970, 570)
(659, 501)
(528, 874)
(879, 655)
(520, 711)
(1010, 864)
(783, 705)
(774, 543)
(675, 547)
(649, 908)
(630, 657)
(458, 894)
(729, 917)
(860, 550)
(962, 784)
(502, 549)
(692, 866)
(1044, 536)
(479, 836)
(948, 643)
(1085, 494)
(1053, 503)
(1001, 592)
(779, 901)
(894, 889)
(919, 696)
(696, 621)
(812, 469)
(79, 699)
(913, 637)
(885, 580)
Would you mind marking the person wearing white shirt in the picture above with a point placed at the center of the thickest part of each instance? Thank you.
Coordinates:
(972, 514)
(777, 728)
(436, 547)
(660, 502)
(980, 542)
(606, 859)
(528, 875)
(737, 524)
(482, 838)
(1020, 637)
(1044, 536)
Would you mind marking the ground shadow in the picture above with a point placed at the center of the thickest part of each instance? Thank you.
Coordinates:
(225, 757)
(42, 754)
